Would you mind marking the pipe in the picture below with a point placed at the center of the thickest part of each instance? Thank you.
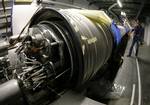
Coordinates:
(10, 92)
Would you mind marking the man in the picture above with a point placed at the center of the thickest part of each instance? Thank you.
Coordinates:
(138, 31)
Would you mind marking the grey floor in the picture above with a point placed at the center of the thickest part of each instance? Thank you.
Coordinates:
(144, 63)
(130, 88)
(128, 78)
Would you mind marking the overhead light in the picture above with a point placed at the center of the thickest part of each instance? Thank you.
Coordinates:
(119, 3)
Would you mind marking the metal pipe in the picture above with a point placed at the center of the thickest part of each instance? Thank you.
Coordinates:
(110, 10)
(9, 92)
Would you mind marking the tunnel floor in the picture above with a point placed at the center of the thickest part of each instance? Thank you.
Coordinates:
(134, 77)
(144, 62)
(131, 83)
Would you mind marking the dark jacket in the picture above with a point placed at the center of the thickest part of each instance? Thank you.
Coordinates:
(138, 32)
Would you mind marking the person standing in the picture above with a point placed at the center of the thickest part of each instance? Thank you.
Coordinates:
(138, 31)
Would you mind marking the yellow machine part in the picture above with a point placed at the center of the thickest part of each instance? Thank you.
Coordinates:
(97, 16)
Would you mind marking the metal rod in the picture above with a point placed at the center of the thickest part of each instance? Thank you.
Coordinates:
(110, 10)
(62, 73)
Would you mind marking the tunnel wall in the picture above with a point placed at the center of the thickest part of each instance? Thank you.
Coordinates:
(24, 12)
(147, 32)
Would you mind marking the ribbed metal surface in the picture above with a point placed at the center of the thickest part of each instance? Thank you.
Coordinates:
(94, 39)
(89, 42)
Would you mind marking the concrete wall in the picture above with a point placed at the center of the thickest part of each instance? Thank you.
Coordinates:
(147, 32)
(23, 13)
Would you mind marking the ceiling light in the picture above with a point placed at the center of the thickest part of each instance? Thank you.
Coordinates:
(119, 3)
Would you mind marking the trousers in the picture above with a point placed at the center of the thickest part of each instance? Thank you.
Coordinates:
(135, 41)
